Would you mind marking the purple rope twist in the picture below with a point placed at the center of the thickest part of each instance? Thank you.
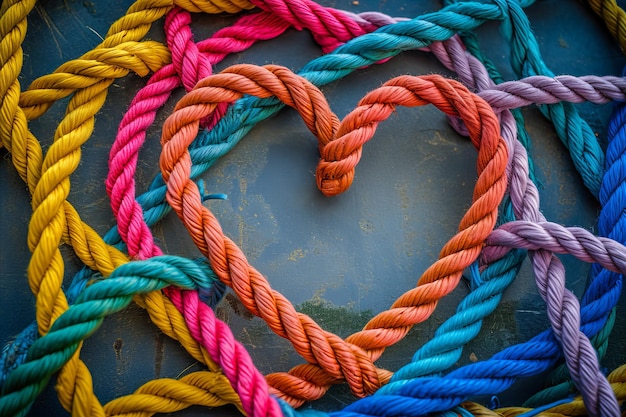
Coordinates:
(562, 305)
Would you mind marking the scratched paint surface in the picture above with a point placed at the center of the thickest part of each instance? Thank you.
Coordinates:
(340, 260)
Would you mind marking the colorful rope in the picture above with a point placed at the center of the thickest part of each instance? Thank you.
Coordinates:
(52, 351)
(50, 212)
(609, 224)
(129, 158)
(560, 408)
(178, 21)
(215, 79)
(573, 96)
(475, 10)
(422, 396)
(191, 63)
(229, 263)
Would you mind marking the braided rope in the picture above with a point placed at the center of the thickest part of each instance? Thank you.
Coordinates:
(52, 351)
(330, 27)
(575, 407)
(614, 18)
(50, 82)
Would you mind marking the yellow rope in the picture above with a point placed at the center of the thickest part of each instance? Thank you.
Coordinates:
(170, 395)
(614, 18)
(53, 217)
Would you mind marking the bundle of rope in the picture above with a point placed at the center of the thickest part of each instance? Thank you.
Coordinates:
(36, 108)
(216, 79)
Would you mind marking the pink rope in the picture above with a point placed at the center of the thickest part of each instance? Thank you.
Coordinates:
(190, 63)
(215, 336)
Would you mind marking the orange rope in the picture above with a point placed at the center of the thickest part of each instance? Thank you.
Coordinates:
(330, 358)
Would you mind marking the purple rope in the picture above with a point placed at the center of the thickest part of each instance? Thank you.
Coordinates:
(562, 305)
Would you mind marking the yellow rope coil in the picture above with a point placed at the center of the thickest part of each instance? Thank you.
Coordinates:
(54, 219)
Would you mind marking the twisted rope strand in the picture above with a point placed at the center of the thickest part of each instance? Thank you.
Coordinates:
(611, 223)
(576, 407)
(424, 395)
(614, 18)
(575, 133)
(68, 86)
(50, 210)
(204, 152)
(166, 395)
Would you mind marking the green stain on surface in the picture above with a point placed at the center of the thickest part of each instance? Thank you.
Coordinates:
(343, 321)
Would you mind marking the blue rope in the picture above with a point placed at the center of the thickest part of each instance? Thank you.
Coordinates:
(50, 352)
(538, 410)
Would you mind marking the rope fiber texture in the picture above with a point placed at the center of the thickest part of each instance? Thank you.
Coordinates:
(50, 352)
(561, 91)
(422, 396)
(337, 165)
(53, 217)
(574, 132)
(614, 18)
(437, 354)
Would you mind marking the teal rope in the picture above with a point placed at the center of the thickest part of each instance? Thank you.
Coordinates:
(50, 352)
(574, 132)
(470, 40)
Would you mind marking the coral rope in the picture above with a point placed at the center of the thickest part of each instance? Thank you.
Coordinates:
(338, 359)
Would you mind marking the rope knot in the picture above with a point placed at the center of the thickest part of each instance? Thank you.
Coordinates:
(191, 65)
